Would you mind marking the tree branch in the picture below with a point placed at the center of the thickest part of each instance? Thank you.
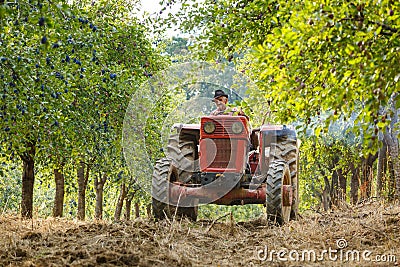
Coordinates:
(14, 73)
(384, 26)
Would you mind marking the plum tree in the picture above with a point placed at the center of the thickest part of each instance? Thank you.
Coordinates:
(53, 67)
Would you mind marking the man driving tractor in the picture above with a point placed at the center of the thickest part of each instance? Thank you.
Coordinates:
(221, 100)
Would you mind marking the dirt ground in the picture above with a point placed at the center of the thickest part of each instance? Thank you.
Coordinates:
(370, 230)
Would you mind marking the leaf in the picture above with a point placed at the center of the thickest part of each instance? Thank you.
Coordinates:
(348, 73)
(381, 125)
(378, 31)
(349, 49)
(397, 103)
(317, 131)
(396, 78)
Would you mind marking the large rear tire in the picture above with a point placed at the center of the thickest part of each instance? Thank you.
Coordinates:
(182, 155)
(287, 150)
(164, 173)
(278, 175)
(159, 189)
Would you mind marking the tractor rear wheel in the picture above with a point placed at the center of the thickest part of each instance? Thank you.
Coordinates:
(159, 189)
(288, 151)
(182, 154)
(163, 174)
(278, 179)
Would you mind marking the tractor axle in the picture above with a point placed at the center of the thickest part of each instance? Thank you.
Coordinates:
(180, 193)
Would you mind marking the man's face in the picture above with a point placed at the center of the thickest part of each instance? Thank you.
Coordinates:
(220, 102)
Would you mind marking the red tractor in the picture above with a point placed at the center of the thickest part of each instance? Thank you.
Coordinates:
(222, 161)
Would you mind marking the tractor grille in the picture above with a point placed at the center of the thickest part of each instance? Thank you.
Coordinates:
(223, 127)
(226, 149)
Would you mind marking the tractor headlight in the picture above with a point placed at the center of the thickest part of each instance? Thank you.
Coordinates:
(209, 127)
(237, 127)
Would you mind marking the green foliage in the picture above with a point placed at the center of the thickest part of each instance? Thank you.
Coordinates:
(86, 61)
(319, 158)
(10, 183)
(177, 47)
(307, 57)
(239, 213)
(332, 57)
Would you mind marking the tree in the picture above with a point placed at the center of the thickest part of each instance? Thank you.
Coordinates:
(58, 62)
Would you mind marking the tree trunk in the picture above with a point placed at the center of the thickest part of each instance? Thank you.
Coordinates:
(128, 207)
(59, 197)
(367, 175)
(28, 179)
(333, 190)
(354, 183)
(120, 203)
(395, 163)
(82, 183)
(137, 210)
(326, 195)
(391, 184)
(99, 186)
(334, 187)
(382, 157)
(342, 186)
(148, 211)
(392, 141)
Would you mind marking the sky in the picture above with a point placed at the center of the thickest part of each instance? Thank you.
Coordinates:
(151, 6)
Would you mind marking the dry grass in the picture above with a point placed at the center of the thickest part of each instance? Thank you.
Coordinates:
(59, 242)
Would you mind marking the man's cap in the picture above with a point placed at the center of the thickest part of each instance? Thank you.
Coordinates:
(219, 93)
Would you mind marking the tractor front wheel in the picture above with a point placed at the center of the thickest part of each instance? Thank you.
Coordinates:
(278, 196)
